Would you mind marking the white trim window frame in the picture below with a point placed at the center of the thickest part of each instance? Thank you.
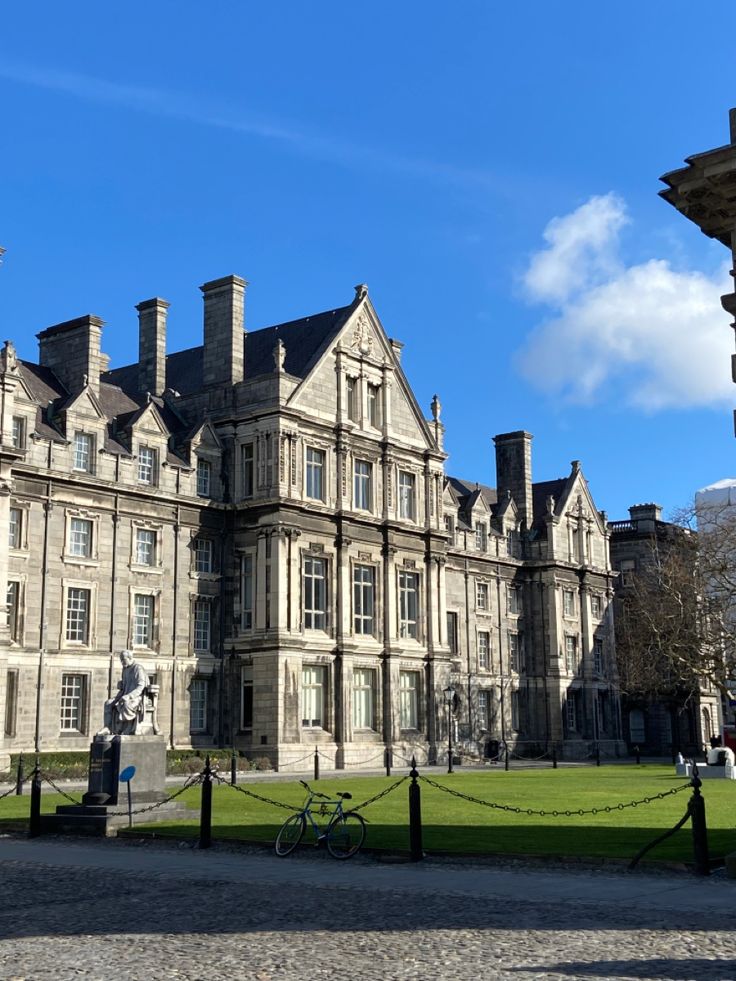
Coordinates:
(568, 603)
(198, 704)
(482, 596)
(204, 478)
(514, 599)
(143, 619)
(73, 703)
(484, 650)
(407, 495)
(145, 547)
(408, 604)
(202, 625)
(80, 538)
(314, 591)
(514, 640)
(14, 607)
(571, 653)
(314, 473)
(83, 453)
(314, 696)
(364, 599)
(409, 682)
(481, 536)
(78, 602)
(203, 555)
(18, 432)
(362, 485)
(147, 465)
(364, 698)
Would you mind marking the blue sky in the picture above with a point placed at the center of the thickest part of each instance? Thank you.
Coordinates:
(490, 172)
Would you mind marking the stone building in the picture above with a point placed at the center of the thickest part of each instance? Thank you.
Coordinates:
(266, 522)
(674, 715)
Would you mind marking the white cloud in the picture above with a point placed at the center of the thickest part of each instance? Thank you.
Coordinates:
(646, 335)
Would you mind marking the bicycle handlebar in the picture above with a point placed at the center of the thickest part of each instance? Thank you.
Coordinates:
(314, 793)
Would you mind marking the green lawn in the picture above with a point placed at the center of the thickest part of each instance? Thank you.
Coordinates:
(456, 826)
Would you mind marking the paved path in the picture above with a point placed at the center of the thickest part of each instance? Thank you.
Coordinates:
(111, 910)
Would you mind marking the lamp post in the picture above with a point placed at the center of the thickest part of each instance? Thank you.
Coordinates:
(449, 694)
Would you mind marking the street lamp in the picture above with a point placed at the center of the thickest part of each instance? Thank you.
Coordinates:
(449, 694)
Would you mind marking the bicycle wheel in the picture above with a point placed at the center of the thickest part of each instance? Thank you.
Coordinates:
(290, 834)
(345, 835)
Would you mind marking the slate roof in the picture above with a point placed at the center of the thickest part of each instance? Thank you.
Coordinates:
(305, 341)
(466, 489)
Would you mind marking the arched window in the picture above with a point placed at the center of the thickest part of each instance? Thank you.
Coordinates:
(637, 727)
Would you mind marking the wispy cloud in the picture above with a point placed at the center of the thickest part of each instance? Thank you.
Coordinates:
(646, 334)
(185, 107)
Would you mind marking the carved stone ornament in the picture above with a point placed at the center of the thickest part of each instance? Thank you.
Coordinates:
(436, 408)
(9, 357)
(362, 336)
(279, 355)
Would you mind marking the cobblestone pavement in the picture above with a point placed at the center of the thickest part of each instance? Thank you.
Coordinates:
(152, 913)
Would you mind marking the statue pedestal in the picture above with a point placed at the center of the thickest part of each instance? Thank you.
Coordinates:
(104, 807)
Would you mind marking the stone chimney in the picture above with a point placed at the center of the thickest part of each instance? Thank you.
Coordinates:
(224, 337)
(152, 345)
(514, 471)
(646, 516)
(72, 351)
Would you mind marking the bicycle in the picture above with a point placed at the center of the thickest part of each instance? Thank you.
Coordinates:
(343, 836)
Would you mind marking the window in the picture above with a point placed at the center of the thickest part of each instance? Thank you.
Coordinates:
(203, 555)
(408, 604)
(77, 615)
(707, 728)
(515, 711)
(246, 696)
(374, 406)
(514, 652)
(481, 537)
(364, 686)
(452, 638)
(598, 655)
(83, 452)
(571, 711)
(568, 603)
(247, 467)
(145, 546)
(484, 709)
(18, 436)
(142, 620)
(409, 699)
(11, 702)
(80, 538)
(484, 650)
(596, 606)
(481, 596)
(407, 495)
(315, 474)
(314, 683)
(627, 568)
(15, 528)
(202, 625)
(73, 698)
(571, 654)
(246, 616)
(13, 607)
(364, 590)
(315, 593)
(146, 465)
(351, 390)
(362, 485)
(514, 599)
(198, 705)
(450, 528)
(204, 478)
(637, 726)
(513, 543)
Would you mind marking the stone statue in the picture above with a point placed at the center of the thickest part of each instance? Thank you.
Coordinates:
(127, 708)
(279, 355)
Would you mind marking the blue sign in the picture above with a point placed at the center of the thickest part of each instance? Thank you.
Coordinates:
(127, 775)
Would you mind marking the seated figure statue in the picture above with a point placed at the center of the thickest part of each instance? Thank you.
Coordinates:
(127, 708)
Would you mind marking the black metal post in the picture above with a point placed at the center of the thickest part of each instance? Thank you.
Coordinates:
(554, 756)
(34, 823)
(205, 816)
(20, 778)
(506, 761)
(387, 758)
(416, 852)
(637, 754)
(449, 738)
(700, 830)
(597, 755)
(316, 764)
(233, 769)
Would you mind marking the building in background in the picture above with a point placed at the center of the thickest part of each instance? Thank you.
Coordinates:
(266, 522)
(668, 706)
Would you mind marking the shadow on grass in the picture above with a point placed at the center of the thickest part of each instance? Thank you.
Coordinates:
(540, 841)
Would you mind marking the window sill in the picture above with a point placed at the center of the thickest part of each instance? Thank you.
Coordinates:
(157, 570)
(80, 560)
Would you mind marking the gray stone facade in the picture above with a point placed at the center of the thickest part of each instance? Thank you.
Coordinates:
(267, 523)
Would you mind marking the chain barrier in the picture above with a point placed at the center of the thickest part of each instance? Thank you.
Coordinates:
(529, 759)
(7, 793)
(383, 793)
(58, 789)
(309, 756)
(249, 793)
(566, 813)
(191, 782)
(378, 756)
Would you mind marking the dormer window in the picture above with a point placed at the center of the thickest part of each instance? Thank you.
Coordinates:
(351, 391)
(18, 437)
(374, 406)
(481, 537)
(204, 478)
(83, 452)
(407, 495)
(146, 465)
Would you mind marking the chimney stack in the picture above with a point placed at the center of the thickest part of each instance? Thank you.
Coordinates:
(72, 351)
(224, 336)
(152, 345)
(514, 471)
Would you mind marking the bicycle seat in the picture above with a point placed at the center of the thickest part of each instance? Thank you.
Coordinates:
(346, 796)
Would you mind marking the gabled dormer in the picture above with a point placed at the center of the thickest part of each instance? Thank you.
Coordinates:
(147, 437)
(205, 459)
